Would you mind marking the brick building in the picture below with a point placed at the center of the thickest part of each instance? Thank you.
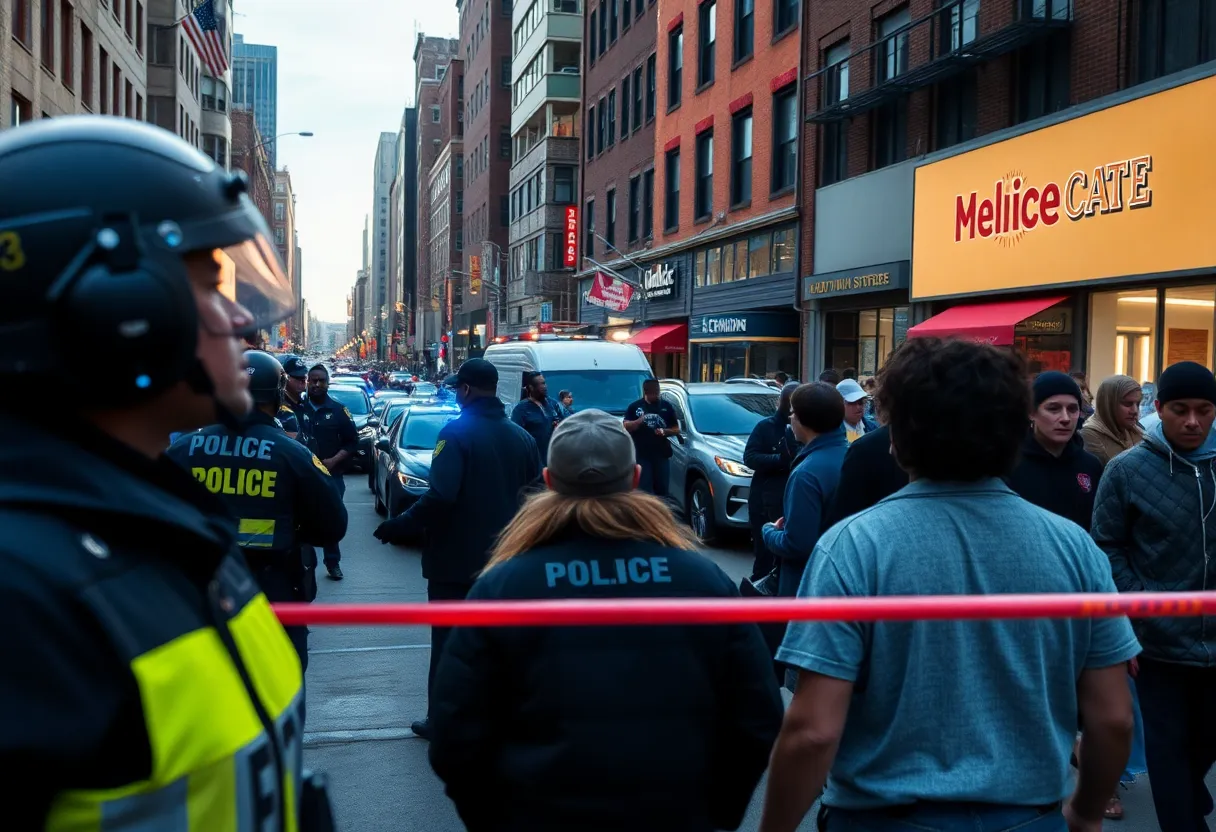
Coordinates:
(722, 270)
(403, 236)
(446, 184)
(620, 69)
(914, 105)
(432, 56)
(283, 227)
(485, 47)
(59, 58)
(249, 155)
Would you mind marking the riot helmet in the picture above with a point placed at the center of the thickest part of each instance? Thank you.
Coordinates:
(266, 377)
(104, 226)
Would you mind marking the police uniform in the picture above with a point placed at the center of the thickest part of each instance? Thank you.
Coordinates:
(333, 430)
(282, 496)
(296, 416)
(146, 681)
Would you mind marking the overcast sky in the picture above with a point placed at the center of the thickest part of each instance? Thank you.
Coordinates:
(346, 72)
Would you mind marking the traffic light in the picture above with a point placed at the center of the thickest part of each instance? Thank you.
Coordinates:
(443, 338)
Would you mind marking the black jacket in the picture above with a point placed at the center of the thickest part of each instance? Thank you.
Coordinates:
(482, 465)
(603, 729)
(769, 453)
(869, 474)
(331, 429)
(1065, 485)
(103, 551)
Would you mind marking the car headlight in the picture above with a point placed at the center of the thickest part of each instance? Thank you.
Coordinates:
(730, 466)
(367, 433)
(411, 482)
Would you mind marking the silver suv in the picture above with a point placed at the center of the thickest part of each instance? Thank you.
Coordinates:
(708, 478)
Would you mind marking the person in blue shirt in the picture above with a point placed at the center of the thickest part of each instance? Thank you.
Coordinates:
(537, 413)
(952, 725)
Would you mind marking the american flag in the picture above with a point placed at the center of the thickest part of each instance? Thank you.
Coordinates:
(203, 29)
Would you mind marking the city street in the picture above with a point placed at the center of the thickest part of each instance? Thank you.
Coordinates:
(366, 684)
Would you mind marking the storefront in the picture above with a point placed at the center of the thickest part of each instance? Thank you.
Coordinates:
(865, 314)
(1086, 244)
(737, 344)
(656, 318)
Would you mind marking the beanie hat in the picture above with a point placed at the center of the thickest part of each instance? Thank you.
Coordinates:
(1186, 380)
(1054, 383)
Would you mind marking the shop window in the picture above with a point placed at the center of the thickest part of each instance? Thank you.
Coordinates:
(1123, 334)
(783, 251)
(1045, 339)
(1175, 35)
(1189, 314)
(713, 267)
(759, 250)
(1043, 77)
(956, 109)
(865, 339)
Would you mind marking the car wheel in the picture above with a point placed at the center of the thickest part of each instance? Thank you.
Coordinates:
(701, 512)
(381, 508)
(371, 478)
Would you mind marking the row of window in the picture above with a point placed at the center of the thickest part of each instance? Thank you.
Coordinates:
(761, 254)
(129, 14)
(604, 20)
(637, 107)
(640, 208)
(532, 194)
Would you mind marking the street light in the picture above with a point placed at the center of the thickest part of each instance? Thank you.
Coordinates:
(305, 134)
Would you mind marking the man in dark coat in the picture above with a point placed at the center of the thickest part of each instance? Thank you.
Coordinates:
(769, 452)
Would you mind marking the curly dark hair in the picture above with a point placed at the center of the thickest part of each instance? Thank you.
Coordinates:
(957, 410)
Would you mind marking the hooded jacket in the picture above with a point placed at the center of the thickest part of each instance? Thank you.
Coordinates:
(1155, 519)
(1065, 485)
(1099, 433)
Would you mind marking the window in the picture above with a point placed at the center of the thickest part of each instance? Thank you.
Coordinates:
(459, 237)
(504, 211)
(280, 211)
(162, 41)
(103, 85)
(834, 146)
(648, 204)
(956, 109)
(48, 35)
(707, 37)
(504, 143)
(20, 111)
(214, 146)
(703, 195)
(601, 127)
(86, 67)
(787, 13)
(603, 27)
(785, 139)
(675, 66)
(279, 236)
(626, 103)
(745, 28)
(1174, 34)
(589, 229)
(23, 24)
(610, 218)
(741, 157)
(590, 132)
(960, 25)
(671, 200)
(1043, 77)
(139, 107)
(162, 111)
(459, 202)
(66, 21)
(651, 81)
(611, 118)
(612, 20)
(635, 207)
(435, 113)
(563, 185)
(591, 34)
(892, 50)
(214, 94)
(638, 96)
(504, 72)
(505, 7)
(891, 133)
(626, 17)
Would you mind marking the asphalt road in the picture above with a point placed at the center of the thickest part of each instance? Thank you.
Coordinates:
(365, 685)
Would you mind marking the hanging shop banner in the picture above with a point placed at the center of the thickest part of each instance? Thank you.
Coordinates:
(571, 253)
(611, 294)
(1116, 193)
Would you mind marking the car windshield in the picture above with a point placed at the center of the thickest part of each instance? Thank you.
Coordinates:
(608, 390)
(352, 398)
(731, 414)
(392, 412)
(421, 431)
(425, 388)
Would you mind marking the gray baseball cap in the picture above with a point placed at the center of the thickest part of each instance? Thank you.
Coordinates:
(590, 455)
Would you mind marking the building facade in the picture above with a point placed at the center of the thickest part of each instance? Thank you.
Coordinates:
(175, 77)
(254, 80)
(722, 271)
(545, 64)
(485, 48)
(384, 170)
(58, 58)
(616, 211)
(403, 235)
(283, 227)
(905, 102)
(249, 153)
(432, 59)
(447, 245)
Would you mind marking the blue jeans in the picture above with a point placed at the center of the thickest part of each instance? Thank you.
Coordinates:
(946, 817)
(656, 475)
(332, 553)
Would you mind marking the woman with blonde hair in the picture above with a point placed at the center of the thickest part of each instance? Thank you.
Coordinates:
(601, 728)
(1115, 425)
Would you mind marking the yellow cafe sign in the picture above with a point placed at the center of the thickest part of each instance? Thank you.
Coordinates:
(1112, 194)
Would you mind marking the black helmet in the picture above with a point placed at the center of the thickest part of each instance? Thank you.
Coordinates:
(266, 377)
(97, 217)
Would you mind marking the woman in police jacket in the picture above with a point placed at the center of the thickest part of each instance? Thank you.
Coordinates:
(601, 728)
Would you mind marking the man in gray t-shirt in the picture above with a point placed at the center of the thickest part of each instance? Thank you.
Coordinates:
(928, 721)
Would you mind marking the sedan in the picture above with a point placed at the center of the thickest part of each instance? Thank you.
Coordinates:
(360, 407)
(384, 398)
(403, 458)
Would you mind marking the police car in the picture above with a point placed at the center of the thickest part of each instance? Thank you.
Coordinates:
(403, 457)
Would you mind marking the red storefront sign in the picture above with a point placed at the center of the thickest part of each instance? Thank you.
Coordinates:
(614, 295)
(571, 235)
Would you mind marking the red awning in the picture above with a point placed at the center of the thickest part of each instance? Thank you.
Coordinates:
(990, 322)
(663, 338)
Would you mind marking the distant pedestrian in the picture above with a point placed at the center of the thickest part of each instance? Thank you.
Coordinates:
(769, 452)
(1115, 425)
(565, 400)
(537, 413)
(830, 376)
(650, 421)
(856, 401)
(601, 729)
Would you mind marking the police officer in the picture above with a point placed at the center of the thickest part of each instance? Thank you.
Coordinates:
(335, 441)
(146, 681)
(294, 414)
(280, 492)
(481, 466)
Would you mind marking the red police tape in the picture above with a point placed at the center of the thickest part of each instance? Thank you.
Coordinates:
(732, 610)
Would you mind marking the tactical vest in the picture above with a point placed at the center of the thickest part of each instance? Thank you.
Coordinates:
(221, 698)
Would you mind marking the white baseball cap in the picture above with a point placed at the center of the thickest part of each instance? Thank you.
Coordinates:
(851, 390)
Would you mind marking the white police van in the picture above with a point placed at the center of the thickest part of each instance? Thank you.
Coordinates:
(604, 375)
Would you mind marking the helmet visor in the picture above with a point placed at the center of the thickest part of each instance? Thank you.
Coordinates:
(252, 278)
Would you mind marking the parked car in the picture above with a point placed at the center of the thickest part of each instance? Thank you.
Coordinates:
(383, 397)
(388, 417)
(403, 458)
(708, 478)
(359, 404)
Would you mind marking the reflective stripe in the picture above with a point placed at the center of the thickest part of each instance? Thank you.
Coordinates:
(256, 534)
(163, 810)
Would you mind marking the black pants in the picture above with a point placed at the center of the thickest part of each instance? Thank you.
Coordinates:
(333, 554)
(441, 591)
(1178, 704)
(763, 561)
